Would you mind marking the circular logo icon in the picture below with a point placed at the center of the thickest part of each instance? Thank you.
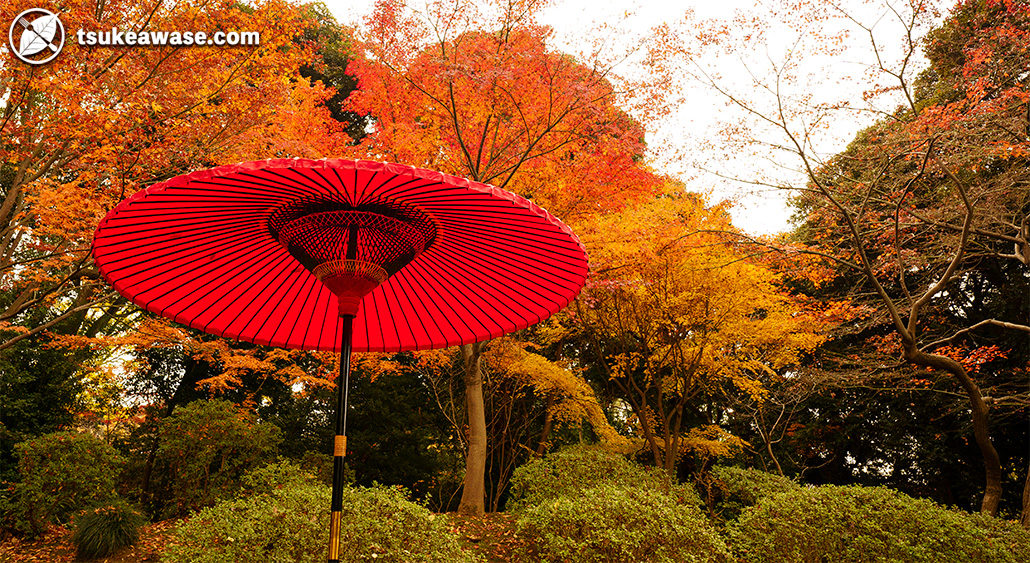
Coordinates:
(36, 36)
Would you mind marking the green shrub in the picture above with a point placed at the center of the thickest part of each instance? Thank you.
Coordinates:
(321, 466)
(732, 489)
(831, 523)
(1008, 535)
(571, 470)
(292, 523)
(618, 523)
(103, 530)
(204, 450)
(283, 474)
(61, 473)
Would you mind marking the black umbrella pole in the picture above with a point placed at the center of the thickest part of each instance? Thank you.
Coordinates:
(340, 439)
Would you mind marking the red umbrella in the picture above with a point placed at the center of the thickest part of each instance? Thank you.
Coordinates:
(408, 258)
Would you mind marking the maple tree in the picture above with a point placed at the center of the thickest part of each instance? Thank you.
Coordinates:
(96, 124)
(907, 217)
(674, 315)
(527, 399)
(523, 382)
(476, 91)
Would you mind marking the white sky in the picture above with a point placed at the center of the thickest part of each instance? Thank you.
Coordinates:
(686, 145)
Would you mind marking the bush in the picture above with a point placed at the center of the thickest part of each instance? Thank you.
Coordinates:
(831, 523)
(292, 523)
(204, 450)
(617, 523)
(61, 473)
(732, 489)
(1008, 535)
(106, 529)
(283, 474)
(571, 470)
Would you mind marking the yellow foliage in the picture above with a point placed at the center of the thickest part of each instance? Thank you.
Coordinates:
(677, 310)
(681, 307)
(712, 441)
(572, 400)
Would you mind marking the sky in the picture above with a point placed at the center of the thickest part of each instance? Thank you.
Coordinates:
(691, 144)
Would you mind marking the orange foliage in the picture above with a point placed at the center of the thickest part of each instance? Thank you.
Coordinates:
(973, 359)
(98, 123)
(490, 100)
(678, 311)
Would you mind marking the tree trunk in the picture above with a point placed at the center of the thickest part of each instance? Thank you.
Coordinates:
(541, 448)
(473, 494)
(768, 448)
(981, 422)
(1025, 517)
(195, 371)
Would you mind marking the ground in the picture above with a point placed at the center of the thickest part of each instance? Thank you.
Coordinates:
(492, 535)
(57, 546)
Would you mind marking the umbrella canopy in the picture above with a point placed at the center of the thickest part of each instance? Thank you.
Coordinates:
(270, 251)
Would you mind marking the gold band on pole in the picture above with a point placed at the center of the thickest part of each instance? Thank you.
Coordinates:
(340, 446)
(334, 536)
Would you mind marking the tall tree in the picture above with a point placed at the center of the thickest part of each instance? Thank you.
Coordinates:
(912, 213)
(96, 124)
(475, 90)
(674, 315)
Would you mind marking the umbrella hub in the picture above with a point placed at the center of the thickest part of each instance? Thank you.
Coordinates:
(352, 249)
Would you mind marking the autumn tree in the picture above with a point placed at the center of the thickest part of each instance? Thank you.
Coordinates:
(912, 215)
(530, 398)
(674, 316)
(477, 91)
(97, 124)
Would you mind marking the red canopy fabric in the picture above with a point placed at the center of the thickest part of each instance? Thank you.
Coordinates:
(197, 249)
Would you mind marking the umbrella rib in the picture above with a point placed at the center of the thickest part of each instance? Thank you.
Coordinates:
(254, 272)
(209, 242)
(403, 276)
(501, 228)
(389, 191)
(155, 274)
(392, 288)
(335, 187)
(341, 188)
(498, 224)
(393, 321)
(311, 284)
(426, 285)
(292, 184)
(180, 226)
(175, 205)
(253, 180)
(360, 198)
(189, 281)
(577, 265)
(441, 276)
(515, 284)
(300, 274)
(515, 263)
(224, 306)
(273, 197)
(321, 327)
(368, 346)
(285, 260)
